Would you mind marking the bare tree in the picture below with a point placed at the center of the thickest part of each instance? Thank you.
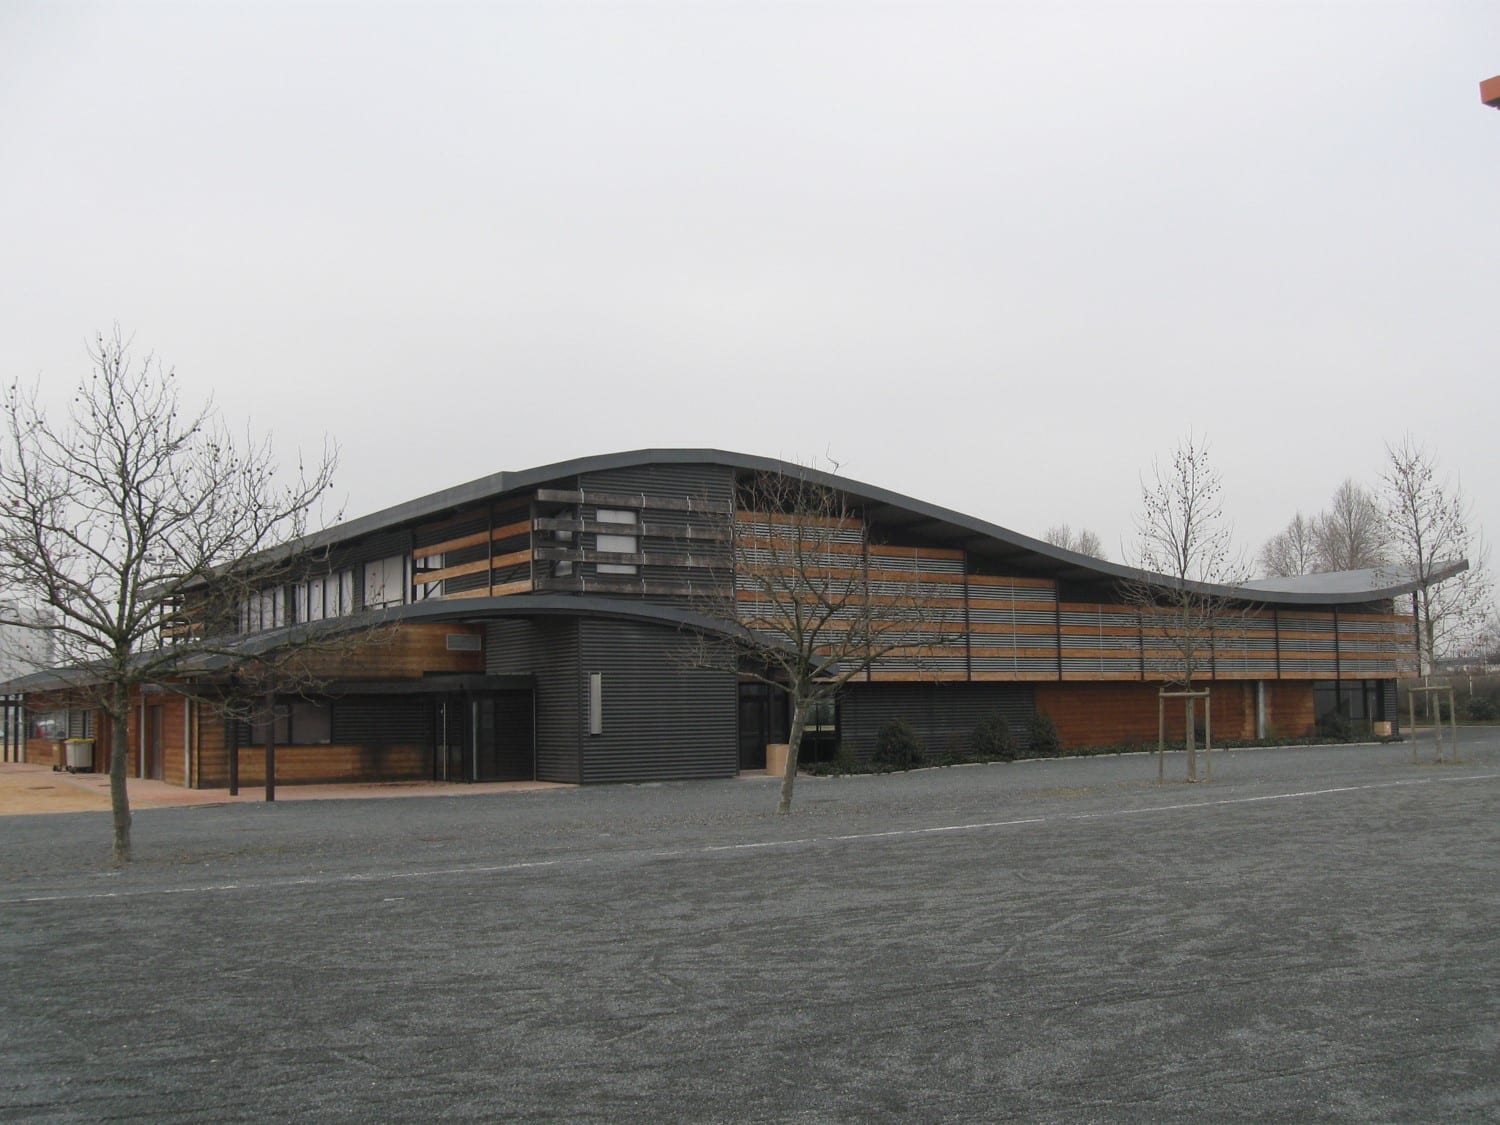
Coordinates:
(804, 610)
(1184, 557)
(134, 508)
(1433, 541)
(1291, 551)
(1083, 541)
(1350, 535)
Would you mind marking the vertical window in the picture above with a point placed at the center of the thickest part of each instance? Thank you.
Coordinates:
(422, 589)
(596, 703)
(563, 568)
(52, 725)
(346, 594)
(385, 582)
(622, 543)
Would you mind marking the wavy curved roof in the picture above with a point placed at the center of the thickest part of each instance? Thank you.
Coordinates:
(998, 545)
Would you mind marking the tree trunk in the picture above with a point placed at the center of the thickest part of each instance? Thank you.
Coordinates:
(1189, 739)
(119, 758)
(793, 747)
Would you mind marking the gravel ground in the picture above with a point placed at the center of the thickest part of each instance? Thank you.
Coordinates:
(1312, 937)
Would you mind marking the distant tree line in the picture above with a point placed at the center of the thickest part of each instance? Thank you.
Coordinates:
(1414, 525)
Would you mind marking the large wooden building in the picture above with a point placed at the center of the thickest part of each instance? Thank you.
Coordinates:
(534, 625)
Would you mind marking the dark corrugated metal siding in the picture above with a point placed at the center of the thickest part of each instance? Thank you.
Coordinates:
(710, 482)
(549, 651)
(713, 484)
(662, 719)
(382, 722)
(943, 715)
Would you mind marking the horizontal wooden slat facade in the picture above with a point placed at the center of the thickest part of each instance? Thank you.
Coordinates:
(324, 764)
(952, 625)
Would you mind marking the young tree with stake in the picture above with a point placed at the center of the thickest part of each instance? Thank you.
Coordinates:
(802, 609)
(114, 516)
(1184, 556)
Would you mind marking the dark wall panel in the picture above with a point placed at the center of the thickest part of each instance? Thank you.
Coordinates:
(548, 650)
(943, 715)
(662, 720)
(710, 482)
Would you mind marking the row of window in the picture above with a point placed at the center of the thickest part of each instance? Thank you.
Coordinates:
(328, 595)
(388, 580)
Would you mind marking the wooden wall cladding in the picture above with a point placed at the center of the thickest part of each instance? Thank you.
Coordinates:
(173, 717)
(305, 765)
(987, 627)
(483, 551)
(327, 765)
(1290, 712)
(402, 652)
(1104, 714)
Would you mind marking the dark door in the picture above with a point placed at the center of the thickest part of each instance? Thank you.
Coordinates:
(450, 730)
(754, 725)
(155, 766)
(502, 737)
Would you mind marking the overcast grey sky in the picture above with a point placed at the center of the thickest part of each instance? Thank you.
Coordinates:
(996, 256)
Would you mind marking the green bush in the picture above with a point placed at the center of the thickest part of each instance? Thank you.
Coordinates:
(1336, 726)
(1481, 709)
(1042, 740)
(897, 746)
(992, 740)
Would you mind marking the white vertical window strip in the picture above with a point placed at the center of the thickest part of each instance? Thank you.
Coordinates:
(620, 544)
(596, 703)
(385, 582)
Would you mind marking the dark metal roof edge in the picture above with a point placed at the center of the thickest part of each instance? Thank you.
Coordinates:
(463, 611)
(498, 483)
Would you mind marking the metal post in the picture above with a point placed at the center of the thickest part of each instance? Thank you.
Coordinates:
(1161, 739)
(1411, 707)
(1453, 720)
(1208, 734)
(270, 746)
(234, 754)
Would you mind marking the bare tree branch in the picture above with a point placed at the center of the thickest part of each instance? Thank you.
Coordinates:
(1429, 529)
(132, 513)
(1350, 535)
(803, 608)
(1083, 541)
(1184, 560)
(1292, 551)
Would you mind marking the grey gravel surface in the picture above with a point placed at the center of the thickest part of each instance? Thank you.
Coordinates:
(1313, 937)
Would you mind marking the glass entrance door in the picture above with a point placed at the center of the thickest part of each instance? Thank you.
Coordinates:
(754, 725)
(450, 735)
(503, 740)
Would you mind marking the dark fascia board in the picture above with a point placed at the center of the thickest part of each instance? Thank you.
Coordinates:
(496, 484)
(428, 685)
(464, 611)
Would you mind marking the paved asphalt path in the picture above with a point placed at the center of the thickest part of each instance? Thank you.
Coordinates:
(1313, 937)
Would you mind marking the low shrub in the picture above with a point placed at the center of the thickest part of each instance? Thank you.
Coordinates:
(897, 746)
(1336, 726)
(1042, 740)
(1481, 709)
(992, 740)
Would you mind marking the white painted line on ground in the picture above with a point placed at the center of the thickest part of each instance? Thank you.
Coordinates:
(709, 849)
